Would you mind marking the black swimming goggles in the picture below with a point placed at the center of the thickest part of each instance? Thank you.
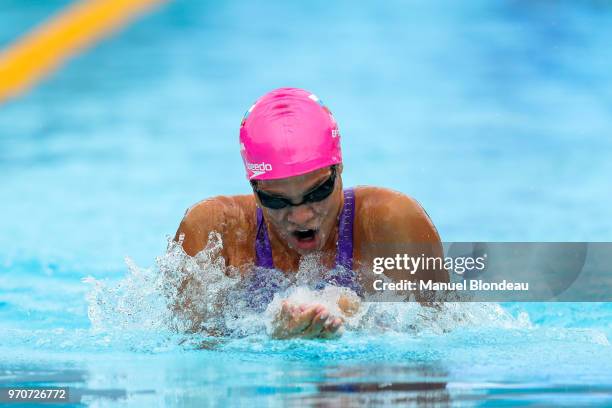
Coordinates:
(319, 193)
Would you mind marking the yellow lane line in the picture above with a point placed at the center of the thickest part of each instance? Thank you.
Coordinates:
(82, 24)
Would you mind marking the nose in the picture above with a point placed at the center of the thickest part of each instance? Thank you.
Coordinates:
(300, 215)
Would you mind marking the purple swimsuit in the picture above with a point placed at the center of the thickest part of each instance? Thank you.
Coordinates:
(343, 274)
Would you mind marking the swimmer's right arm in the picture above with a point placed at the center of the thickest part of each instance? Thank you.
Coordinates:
(222, 214)
(199, 221)
(192, 234)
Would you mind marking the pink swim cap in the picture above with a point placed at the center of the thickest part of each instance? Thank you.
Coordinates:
(288, 132)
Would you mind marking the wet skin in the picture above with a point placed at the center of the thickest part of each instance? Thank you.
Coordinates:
(382, 217)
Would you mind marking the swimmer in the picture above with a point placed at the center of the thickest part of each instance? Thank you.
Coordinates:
(290, 145)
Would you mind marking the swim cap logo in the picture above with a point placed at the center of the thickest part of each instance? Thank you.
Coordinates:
(258, 168)
(335, 133)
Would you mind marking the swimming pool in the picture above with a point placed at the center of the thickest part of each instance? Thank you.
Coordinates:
(494, 116)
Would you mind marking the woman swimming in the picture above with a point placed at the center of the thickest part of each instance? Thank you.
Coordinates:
(290, 145)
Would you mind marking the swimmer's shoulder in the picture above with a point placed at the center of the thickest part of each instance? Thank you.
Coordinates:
(382, 212)
(230, 216)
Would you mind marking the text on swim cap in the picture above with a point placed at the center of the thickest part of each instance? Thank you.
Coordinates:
(259, 167)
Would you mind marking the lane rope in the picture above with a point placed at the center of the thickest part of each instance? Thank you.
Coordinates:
(80, 25)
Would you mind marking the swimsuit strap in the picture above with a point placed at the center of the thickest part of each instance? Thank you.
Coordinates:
(344, 253)
(263, 249)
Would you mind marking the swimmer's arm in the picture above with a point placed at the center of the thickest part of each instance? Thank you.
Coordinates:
(415, 226)
(403, 226)
(193, 232)
(197, 224)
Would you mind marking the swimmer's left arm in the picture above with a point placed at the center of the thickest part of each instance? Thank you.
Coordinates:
(401, 226)
(412, 225)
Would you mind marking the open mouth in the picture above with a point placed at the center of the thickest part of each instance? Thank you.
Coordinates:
(305, 235)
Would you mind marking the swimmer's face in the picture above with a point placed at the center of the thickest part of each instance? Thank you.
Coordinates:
(306, 227)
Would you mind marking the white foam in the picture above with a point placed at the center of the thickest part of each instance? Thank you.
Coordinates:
(197, 294)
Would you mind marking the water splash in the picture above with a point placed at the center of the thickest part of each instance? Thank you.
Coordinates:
(179, 295)
(186, 299)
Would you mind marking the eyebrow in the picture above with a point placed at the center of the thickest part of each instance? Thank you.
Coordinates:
(318, 183)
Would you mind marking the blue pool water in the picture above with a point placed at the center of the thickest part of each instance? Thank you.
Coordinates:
(494, 115)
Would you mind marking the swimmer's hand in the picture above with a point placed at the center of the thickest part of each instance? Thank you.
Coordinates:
(306, 321)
